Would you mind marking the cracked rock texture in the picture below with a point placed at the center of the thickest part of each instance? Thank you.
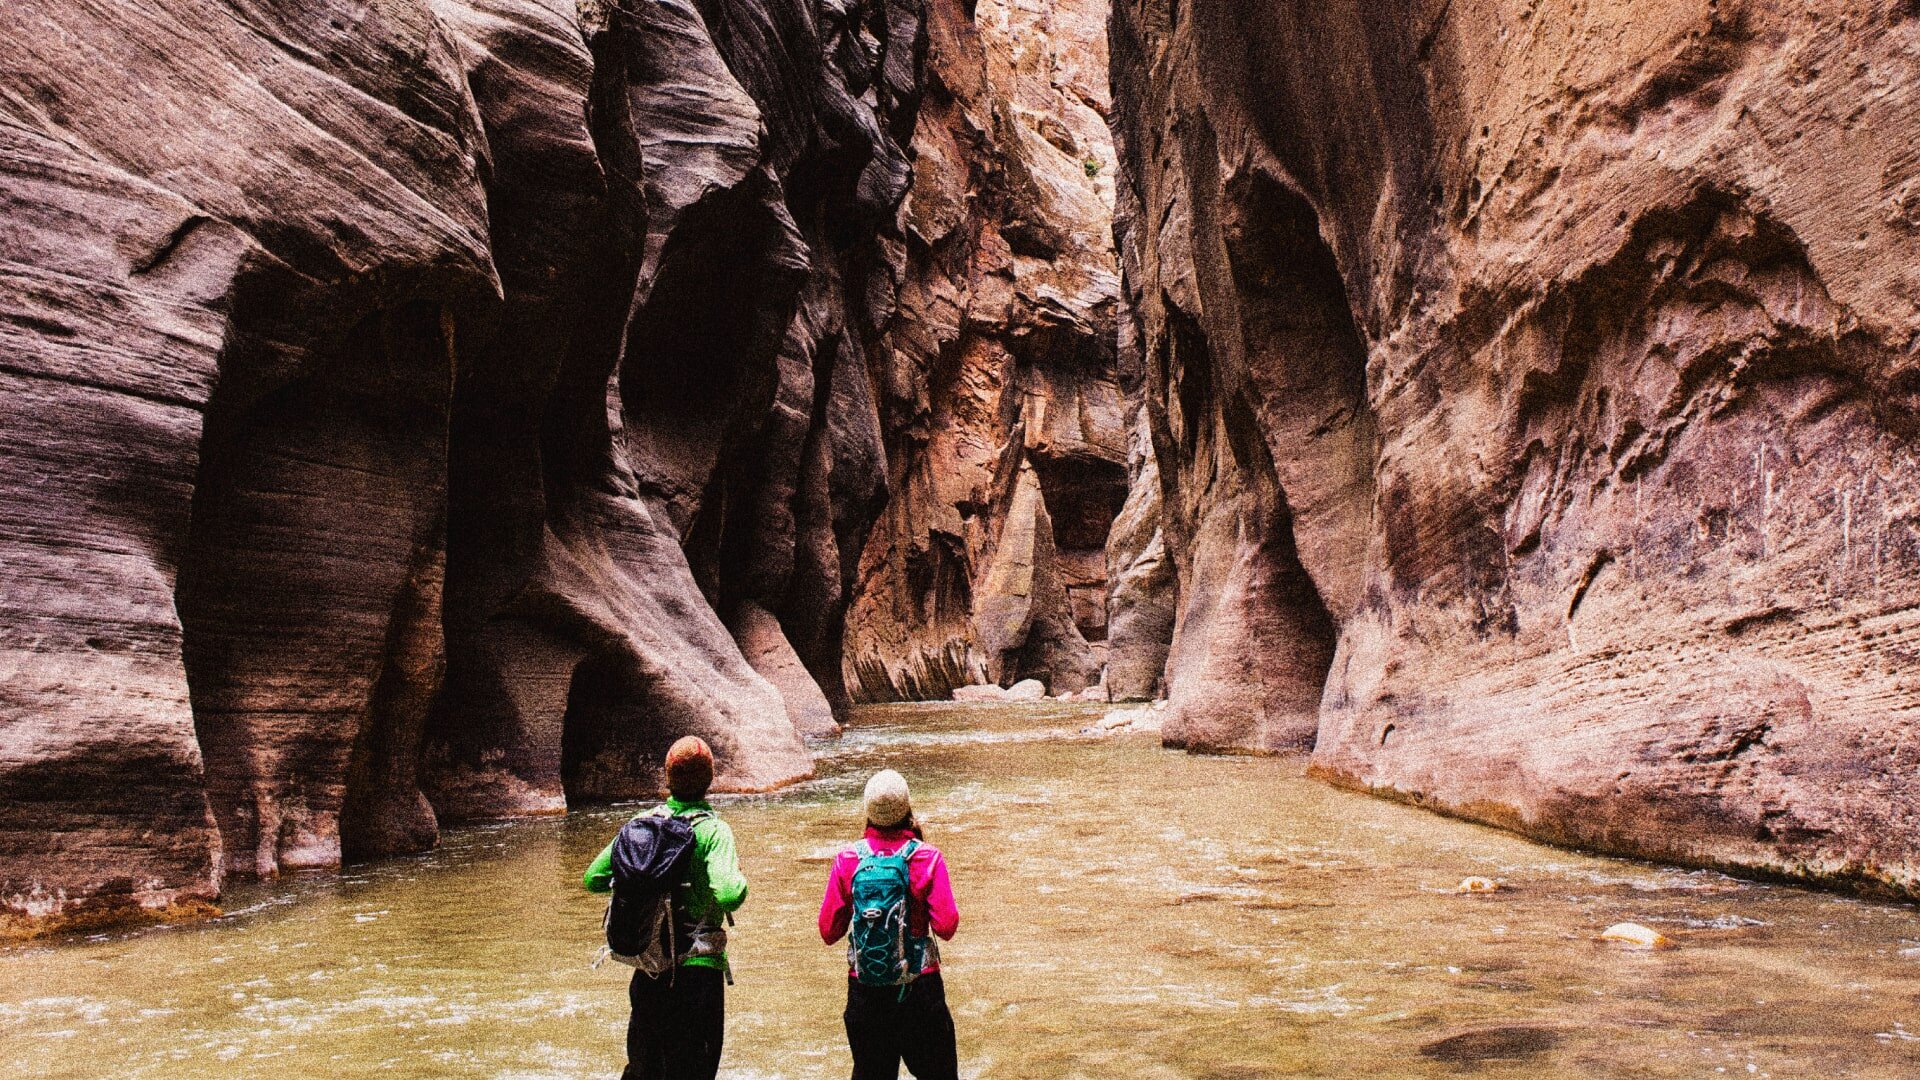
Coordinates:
(398, 394)
(1532, 388)
(1002, 416)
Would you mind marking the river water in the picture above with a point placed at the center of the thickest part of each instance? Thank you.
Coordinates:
(1125, 912)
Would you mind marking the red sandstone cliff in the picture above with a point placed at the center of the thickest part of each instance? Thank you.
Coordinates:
(419, 411)
(425, 410)
(1532, 388)
(1003, 419)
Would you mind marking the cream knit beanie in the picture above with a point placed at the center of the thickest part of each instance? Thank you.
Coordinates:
(887, 803)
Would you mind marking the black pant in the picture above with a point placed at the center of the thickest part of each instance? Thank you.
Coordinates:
(677, 1024)
(883, 1029)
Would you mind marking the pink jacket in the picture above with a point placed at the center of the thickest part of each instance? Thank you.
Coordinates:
(930, 907)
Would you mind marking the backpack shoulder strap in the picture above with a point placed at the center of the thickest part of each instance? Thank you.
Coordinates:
(906, 852)
(863, 849)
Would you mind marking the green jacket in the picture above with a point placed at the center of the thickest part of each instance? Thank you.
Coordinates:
(718, 888)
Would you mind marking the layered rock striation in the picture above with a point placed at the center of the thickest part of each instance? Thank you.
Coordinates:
(1000, 408)
(1531, 388)
(423, 411)
(420, 411)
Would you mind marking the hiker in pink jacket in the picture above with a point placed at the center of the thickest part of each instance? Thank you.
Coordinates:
(890, 896)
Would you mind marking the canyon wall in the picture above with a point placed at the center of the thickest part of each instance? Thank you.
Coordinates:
(419, 411)
(424, 411)
(1531, 389)
(1001, 413)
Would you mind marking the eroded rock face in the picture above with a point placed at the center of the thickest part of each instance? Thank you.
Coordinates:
(1532, 393)
(396, 394)
(178, 271)
(1001, 413)
(1144, 592)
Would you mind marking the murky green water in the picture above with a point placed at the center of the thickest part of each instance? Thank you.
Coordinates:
(1125, 912)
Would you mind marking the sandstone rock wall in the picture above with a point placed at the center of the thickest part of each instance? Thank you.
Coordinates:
(1001, 412)
(420, 411)
(1532, 388)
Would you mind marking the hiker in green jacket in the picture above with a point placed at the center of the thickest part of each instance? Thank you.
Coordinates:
(679, 1018)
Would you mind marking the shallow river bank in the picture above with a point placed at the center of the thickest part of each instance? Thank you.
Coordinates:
(1126, 912)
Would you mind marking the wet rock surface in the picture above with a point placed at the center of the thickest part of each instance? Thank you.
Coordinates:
(1492, 1044)
(397, 395)
(1531, 393)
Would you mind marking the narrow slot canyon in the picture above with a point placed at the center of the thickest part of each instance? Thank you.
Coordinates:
(643, 371)
(419, 414)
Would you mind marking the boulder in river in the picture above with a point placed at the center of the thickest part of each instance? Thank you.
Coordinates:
(1134, 719)
(1484, 1045)
(980, 692)
(1027, 690)
(1636, 935)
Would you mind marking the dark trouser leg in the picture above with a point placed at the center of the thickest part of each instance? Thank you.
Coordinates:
(926, 1041)
(700, 1023)
(678, 1025)
(647, 1028)
(871, 1036)
(883, 1028)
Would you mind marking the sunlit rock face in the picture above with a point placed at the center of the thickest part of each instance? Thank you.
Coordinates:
(1532, 389)
(423, 411)
(1002, 417)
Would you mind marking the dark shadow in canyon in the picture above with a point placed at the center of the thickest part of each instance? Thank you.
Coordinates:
(310, 590)
(608, 745)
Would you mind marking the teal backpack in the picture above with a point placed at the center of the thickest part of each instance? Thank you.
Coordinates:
(879, 948)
